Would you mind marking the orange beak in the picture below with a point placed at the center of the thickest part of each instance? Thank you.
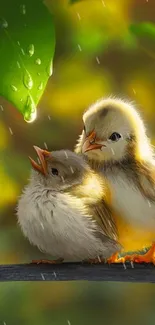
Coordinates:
(90, 143)
(42, 168)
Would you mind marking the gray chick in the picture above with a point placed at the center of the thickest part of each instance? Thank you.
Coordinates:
(63, 210)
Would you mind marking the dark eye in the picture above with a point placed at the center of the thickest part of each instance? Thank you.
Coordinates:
(54, 171)
(115, 136)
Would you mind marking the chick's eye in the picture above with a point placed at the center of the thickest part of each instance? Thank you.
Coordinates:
(54, 171)
(115, 136)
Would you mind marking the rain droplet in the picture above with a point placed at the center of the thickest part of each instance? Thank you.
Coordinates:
(11, 131)
(21, 99)
(28, 82)
(124, 266)
(50, 69)
(2, 108)
(79, 17)
(132, 265)
(62, 178)
(103, 3)
(42, 275)
(99, 259)
(97, 59)
(79, 47)
(45, 145)
(42, 226)
(13, 88)
(31, 49)
(38, 61)
(30, 110)
(3, 23)
(18, 65)
(134, 91)
(23, 52)
(38, 73)
(18, 43)
(49, 117)
(55, 274)
(66, 154)
(23, 9)
(71, 169)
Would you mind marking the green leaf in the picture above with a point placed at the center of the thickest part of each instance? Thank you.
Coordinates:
(27, 43)
(143, 29)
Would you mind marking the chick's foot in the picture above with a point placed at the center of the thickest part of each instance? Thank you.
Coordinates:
(116, 259)
(148, 257)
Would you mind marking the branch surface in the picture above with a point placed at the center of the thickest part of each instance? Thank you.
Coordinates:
(78, 272)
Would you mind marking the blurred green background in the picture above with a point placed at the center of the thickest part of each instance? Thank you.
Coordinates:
(98, 53)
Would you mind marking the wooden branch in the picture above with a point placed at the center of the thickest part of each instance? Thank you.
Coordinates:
(78, 271)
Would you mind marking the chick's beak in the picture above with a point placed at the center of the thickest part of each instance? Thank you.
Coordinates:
(42, 168)
(90, 143)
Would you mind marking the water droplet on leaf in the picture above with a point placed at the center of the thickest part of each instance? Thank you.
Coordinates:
(40, 87)
(23, 9)
(27, 80)
(13, 88)
(30, 110)
(31, 49)
(3, 23)
(38, 61)
(18, 43)
(50, 69)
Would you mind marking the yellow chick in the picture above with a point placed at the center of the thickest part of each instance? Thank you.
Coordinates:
(115, 143)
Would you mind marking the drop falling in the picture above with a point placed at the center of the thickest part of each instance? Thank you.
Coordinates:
(30, 110)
